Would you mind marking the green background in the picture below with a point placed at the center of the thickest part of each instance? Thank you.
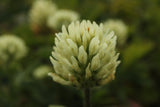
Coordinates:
(137, 78)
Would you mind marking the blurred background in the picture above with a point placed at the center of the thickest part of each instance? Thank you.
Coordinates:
(27, 31)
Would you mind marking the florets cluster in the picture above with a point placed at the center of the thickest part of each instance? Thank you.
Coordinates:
(62, 17)
(120, 29)
(11, 47)
(40, 11)
(84, 55)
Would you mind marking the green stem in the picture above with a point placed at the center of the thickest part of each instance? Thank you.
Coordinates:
(86, 99)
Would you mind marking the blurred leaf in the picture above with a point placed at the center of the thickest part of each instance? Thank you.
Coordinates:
(136, 50)
(90, 12)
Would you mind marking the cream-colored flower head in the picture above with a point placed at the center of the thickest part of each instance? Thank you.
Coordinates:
(42, 71)
(84, 55)
(62, 17)
(119, 28)
(40, 11)
(11, 47)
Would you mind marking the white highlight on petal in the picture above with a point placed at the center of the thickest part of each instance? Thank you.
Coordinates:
(82, 56)
(88, 72)
(58, 79)
(73, 46)
(75, 65)
(95, 63)
(94, 46)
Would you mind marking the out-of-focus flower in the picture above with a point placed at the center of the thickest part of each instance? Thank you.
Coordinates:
(62, 17)
(40, 12)
(11, 47)
(84, 55)
(119, 28)
(56, 106)
(42, 71)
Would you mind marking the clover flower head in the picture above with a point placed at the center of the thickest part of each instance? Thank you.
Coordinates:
(120, 29)
(40, 11)
(42, 71)
(11, 47)
(62, 17)
(84, 55)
